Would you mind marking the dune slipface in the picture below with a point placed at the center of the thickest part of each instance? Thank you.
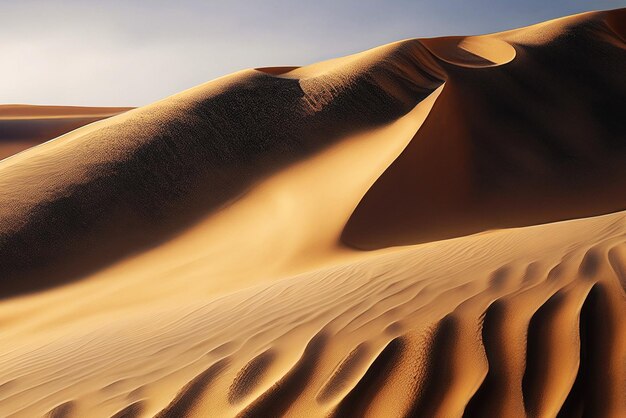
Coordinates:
(295, 241)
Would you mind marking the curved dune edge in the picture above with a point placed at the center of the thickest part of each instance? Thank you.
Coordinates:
(277, 71)
(471, 51)
(242, 299)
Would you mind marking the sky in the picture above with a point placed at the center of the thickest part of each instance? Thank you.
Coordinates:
(131, 53)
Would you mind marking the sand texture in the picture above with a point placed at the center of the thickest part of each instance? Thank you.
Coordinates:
(432, 228)
(24, 126)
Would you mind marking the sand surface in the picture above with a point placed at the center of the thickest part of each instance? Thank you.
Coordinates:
(24, 126)
(434, 227)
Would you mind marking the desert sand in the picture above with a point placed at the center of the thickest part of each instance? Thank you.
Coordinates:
(24, 126)
(434, 227)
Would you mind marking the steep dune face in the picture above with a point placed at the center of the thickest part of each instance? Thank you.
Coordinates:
(513, 144)
(189, 258)
(24, 126)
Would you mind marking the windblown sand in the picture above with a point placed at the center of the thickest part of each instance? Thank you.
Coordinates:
(434, 227)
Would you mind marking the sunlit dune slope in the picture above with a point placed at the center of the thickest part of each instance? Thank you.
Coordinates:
(24, 126)
(294, 241)
(513, 322)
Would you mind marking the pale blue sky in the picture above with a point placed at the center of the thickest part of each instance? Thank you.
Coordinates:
(124, 52)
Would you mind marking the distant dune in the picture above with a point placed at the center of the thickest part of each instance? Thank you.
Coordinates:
(23, 126)
(434, 227)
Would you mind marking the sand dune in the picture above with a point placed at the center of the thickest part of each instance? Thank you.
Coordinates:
(550, 139)
(514, 321)
(24, 126)
(205, 255)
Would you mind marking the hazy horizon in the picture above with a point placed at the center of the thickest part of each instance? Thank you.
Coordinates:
(119, 54)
